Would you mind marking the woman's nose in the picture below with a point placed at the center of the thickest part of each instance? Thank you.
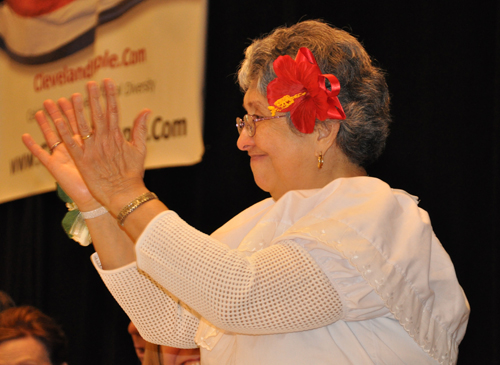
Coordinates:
(244, 140)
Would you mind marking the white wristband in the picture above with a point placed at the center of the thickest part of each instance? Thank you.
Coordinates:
(94, 213)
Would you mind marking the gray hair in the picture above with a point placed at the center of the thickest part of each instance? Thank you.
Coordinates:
(364, 94)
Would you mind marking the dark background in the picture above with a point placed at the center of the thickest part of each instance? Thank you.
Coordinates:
(443, 63)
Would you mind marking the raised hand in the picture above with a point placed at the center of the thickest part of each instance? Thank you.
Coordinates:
(107, 162)
(93, 163)
(59, 162)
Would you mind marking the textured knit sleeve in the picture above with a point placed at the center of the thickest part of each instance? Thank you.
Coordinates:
(275, 290)
(158, 316)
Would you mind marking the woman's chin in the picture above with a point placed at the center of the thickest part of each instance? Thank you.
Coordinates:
(262, 183)
(261, 176)
(257, 162)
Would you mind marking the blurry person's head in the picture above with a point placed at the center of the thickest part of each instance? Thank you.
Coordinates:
(165, 355)
(139, 342)
(28, 336)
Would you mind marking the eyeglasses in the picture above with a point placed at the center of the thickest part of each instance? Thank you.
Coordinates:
(249, 121)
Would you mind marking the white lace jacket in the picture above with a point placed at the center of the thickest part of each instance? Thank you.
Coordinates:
(351, 273)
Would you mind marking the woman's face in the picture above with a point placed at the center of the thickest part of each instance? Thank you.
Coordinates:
(139, 342)
(24, 350)
(281, 160)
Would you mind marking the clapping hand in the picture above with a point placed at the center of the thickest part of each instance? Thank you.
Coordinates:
(94, 162)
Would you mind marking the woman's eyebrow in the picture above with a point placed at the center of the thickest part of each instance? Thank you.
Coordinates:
(256, 104)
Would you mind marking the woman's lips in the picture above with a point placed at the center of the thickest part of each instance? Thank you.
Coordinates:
(256, 157)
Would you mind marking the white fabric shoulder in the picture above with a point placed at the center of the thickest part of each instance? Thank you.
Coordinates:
(359, 300)
(389, 240)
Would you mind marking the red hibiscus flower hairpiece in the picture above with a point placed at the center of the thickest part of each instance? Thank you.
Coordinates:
(302, 90)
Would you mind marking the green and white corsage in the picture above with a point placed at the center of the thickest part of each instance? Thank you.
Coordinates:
(73, 222)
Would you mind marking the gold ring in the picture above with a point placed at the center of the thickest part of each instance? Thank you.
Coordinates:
(55, 145)
(87, 136)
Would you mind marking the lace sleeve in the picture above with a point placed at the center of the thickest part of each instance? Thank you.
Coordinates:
(278, 289)
(158, 316)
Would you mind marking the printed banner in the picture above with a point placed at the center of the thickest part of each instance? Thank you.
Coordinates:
(154, 50)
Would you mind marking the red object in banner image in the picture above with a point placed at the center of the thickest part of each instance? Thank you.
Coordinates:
(31, 8)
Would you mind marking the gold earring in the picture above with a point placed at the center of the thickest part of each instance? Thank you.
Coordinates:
(320, 160)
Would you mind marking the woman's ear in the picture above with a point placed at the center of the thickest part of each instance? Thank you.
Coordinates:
(327, 134)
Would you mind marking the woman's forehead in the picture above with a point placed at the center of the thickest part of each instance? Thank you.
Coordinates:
(253, 99)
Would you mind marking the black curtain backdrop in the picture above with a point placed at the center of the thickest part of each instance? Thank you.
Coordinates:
(442, 60)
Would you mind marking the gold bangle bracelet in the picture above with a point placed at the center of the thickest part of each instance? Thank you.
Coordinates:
(133, 205)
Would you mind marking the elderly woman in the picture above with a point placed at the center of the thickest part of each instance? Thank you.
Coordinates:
(335, 267)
